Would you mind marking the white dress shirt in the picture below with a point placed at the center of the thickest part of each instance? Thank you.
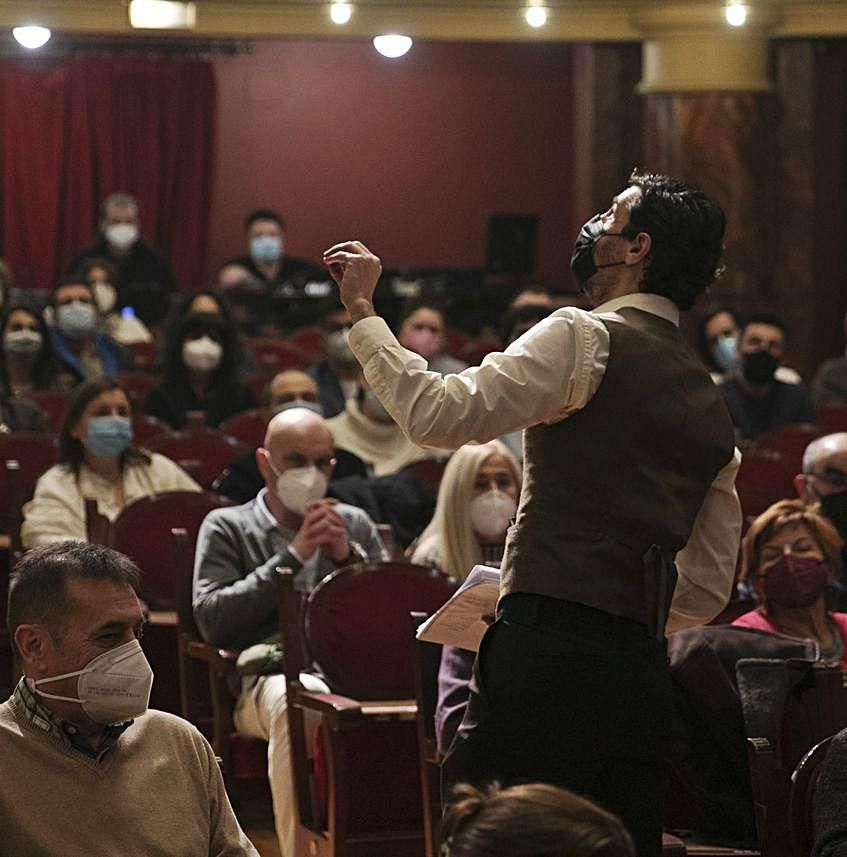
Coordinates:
(547, 374)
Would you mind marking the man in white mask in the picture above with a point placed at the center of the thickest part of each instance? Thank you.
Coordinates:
(81, 350)
(76, 738)
(147, 277)
(290, 523)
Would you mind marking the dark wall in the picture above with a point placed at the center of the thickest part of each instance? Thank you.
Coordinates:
(410, 155)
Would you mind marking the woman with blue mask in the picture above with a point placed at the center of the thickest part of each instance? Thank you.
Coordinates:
(28, 365)
(82, 351)
(97, 460)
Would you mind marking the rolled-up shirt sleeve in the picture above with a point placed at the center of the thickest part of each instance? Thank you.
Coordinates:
(545, 375)
(706, 565)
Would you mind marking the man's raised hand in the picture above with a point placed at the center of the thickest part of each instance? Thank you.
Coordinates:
(356, 270)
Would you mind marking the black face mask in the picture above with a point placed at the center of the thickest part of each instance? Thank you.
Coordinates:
(758, 366)
(834, 507)
(583, 266)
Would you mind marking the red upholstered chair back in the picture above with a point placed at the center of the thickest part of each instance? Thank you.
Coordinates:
(203, 453)
(24, 456)
(309, 341)
(247, 427)
(145, 428)
(790, 442)
(831, 418)
(356, 625)
(144, 355)
(274, 355)
(35, 452)
(137, 384)
(54, 405)
(764, 477)
(142, 531)
(428, 470)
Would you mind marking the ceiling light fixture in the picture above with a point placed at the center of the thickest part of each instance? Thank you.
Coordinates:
(536, 16)
(31, 37)
(392, 45)
(736, 14)
(162, 15)
(340, 12)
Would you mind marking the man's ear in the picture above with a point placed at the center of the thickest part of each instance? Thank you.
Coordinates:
(638, 249)
(803, 489)
(31, 643)
(262, 462)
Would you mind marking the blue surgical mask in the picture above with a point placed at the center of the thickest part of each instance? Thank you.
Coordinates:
(108, 437)
(724, 352)
(266, 248)
(76, 319)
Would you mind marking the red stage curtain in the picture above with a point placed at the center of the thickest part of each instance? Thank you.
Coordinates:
(72, 133)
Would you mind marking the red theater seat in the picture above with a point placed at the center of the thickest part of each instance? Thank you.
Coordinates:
(248, 427)
(355, 627)
(201, 452)
(142, 531)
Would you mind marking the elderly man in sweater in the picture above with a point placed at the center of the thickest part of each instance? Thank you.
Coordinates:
(85, 768)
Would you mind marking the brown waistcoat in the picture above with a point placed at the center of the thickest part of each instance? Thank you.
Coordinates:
(628, 471)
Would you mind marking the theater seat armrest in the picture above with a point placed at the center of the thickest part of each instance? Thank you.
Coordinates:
(343, 711)
(338, 710)
(223, 660)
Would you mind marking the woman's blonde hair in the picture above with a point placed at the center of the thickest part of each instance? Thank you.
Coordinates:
(776, 518)
(450, 533)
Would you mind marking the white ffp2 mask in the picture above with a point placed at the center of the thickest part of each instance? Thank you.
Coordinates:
(203, 354)
(299, 486)
(112, 687)
(491, 514)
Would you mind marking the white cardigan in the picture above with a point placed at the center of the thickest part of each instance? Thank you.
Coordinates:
(57, 510)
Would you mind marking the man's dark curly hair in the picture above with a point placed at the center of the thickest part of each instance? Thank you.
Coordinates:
(687, 231)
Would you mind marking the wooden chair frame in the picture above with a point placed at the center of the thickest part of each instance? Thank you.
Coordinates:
(339, 715)
(192, 652)
(825, 707)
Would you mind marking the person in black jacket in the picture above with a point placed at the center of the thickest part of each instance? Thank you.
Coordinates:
(147, 277)
(200, 372)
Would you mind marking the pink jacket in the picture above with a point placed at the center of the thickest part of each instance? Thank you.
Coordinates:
(755, 619)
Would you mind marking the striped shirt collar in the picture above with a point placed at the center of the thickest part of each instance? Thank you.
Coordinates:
(38, 715)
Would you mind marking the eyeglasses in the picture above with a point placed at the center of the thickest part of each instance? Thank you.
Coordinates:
(294, 459)
(831, 476)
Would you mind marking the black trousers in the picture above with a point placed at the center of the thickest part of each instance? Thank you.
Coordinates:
(573, 696)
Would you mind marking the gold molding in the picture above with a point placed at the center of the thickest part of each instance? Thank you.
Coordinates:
(454, 20)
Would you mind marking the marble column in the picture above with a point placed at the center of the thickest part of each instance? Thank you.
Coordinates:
(709, 118)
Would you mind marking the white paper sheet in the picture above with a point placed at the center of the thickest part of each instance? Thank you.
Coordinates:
(460, 621)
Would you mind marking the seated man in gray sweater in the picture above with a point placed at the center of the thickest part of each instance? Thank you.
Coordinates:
(289, 524)
(85, 768)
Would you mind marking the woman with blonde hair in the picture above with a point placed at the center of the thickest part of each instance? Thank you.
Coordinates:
(477, 500)
(790, 556)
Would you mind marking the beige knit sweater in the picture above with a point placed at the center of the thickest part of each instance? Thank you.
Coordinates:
(158, 792)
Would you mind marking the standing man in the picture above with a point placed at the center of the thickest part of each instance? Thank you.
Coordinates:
(629, 463)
